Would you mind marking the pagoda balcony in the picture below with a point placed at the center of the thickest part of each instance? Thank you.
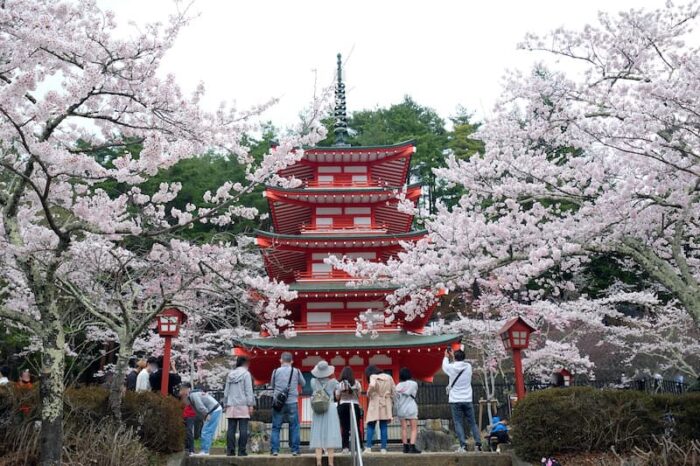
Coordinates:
(343, 183)
(345, 228)
(343, 327)
(333, 275)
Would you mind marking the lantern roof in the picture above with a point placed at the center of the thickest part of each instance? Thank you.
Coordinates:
(174, 312)
(510, 323)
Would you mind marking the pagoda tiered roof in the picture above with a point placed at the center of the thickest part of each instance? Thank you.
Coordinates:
(285, 255)
(389, 164)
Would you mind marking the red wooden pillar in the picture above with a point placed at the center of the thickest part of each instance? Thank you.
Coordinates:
(519, 378)
(165, 372)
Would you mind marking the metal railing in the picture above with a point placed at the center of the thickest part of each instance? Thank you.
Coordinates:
(355, 443)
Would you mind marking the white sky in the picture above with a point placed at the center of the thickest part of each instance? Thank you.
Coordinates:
(442, 53)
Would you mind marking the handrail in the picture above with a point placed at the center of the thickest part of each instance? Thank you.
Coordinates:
(332, 275)
(355, 445)
(344, 227)
(343, 184)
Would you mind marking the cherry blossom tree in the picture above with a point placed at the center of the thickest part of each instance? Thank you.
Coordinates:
(123, 290)
(602, 160)
(70, 88)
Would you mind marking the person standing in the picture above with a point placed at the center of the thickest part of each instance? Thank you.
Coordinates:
(208, 409)
(460, 396)
(189, 416)
(407, 409)
(348, 396)
(25, 384)
(4, 376)
(130, 379)
(239, 402)
(285, 383)
(325, 424)
(380, 391)
(143, 383)
(156, 378)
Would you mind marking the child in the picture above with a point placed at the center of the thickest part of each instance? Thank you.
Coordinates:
(407, 409)
(190, 417)
(499, 432)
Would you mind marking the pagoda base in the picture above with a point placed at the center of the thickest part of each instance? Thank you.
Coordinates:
(422, 354)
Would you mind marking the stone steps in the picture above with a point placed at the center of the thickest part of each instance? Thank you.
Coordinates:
(373, 459)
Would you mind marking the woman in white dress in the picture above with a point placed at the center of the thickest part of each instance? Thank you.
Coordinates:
(325, 426)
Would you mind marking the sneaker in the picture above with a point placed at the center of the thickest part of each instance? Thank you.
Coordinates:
(477, 447)
(274, 453)
(242, 453)
(383, 451)
(368, 450)
(345, 451)
(201, 453)
(461, 450)
(295, 453)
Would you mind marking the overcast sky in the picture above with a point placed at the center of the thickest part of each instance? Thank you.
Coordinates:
(442, 53)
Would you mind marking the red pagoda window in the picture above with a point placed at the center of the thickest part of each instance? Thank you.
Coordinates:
(339, 217)
(333, 175)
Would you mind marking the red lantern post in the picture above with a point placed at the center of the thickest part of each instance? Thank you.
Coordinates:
(169, 322)
(515, 335)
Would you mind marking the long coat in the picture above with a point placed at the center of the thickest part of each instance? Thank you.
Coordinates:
(381, 393)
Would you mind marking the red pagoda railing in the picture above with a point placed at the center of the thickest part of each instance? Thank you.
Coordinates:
(332, 275)
(325, 327)
(343, 184)
(345, 227)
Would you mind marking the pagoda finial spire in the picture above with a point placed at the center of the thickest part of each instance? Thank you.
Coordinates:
(340, 128)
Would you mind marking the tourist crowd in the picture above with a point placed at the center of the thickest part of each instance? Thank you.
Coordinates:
(334, 403)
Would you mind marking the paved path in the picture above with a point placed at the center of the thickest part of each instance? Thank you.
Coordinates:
(373, 459)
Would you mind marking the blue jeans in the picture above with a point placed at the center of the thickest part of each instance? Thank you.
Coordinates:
(209, 429)
(383, 433)
(290, 414)
(460, 412)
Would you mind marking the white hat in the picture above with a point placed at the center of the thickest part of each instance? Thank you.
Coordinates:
(322, 370)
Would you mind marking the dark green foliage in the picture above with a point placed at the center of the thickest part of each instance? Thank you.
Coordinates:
(583, 419)
(155, 420)
(409, 120)
(158, 419)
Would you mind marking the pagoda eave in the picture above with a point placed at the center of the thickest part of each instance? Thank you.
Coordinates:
(355, 196)
(424, 352)
(310, 241)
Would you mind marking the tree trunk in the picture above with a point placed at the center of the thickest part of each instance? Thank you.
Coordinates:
(51, 393)
(116, 389)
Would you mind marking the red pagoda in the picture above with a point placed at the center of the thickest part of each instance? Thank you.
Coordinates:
(346, 207)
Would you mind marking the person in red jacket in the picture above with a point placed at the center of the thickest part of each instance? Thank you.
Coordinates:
(190, 417)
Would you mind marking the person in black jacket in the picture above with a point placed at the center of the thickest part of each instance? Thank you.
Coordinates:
(130, 381)
(174, 379)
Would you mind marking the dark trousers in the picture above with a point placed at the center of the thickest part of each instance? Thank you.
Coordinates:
(189, 434)
(345, 419)
(242, 425)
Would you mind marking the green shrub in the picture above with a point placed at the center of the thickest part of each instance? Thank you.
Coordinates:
(157, 418)
(583, 419)
(154, 419)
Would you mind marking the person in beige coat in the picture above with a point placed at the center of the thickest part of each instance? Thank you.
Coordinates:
(381, 392)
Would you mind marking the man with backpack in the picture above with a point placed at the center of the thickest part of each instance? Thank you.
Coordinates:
(285, 382)
(460, 396)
